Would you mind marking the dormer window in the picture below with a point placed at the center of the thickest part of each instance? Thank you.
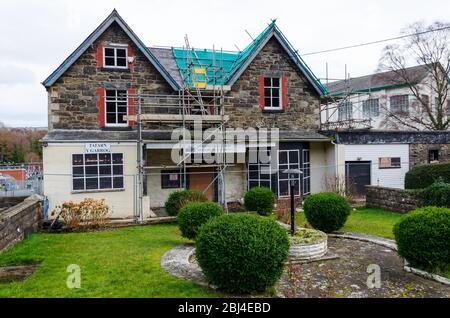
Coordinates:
(272, 93)
(116, 57)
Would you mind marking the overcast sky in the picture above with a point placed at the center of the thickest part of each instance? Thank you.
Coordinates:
(36, 36)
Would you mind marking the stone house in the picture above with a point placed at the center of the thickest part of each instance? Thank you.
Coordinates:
(379, 151)
(113, 109)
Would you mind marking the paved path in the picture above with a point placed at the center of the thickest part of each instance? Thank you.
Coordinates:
(345, 276)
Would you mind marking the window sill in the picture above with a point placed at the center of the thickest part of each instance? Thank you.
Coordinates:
(97, 191)
(112, 128)
(115, 69)
(276, 111)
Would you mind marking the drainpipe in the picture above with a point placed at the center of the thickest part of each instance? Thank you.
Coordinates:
(336, 160)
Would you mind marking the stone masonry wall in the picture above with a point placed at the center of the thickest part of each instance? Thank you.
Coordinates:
(17, 222)
(418, 153)
(303, 102)
(73, 98)
(397, 200)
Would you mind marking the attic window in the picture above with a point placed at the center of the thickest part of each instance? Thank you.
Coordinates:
(115, 57)
(272, 93)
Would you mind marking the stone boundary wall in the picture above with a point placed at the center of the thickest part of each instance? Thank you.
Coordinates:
(7, 202)
(17, 222)
(392, 199)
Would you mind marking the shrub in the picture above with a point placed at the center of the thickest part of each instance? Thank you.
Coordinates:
(437, 194)
(260, 200)
(179, 199)
(326, 211)
(423, 238)
(88, 214)
(242, 253)
(195, 214)
(421, 177)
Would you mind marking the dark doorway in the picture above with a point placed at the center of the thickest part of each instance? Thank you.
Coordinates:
(357, 175)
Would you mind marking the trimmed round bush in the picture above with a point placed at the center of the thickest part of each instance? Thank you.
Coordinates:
(178, 199)
(423, 176)
(423, 238)
(260, 200)
(242, 254)
(437, 194)
(194, 215)
(327, 211)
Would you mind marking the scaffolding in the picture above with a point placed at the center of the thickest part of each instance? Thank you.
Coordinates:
(201, 99)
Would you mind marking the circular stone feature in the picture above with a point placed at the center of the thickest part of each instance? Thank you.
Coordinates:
(307, 244)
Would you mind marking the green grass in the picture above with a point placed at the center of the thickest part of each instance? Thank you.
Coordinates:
(375, 222)
(116, 263)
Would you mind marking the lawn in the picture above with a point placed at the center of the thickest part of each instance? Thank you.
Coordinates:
(117, 263)
(375, 222)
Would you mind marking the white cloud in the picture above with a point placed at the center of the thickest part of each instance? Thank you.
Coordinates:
(37, 35)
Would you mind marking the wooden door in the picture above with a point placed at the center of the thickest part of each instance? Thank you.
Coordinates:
(201, 179)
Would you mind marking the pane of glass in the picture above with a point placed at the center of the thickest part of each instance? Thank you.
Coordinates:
(253, 167)
(109, 61)
(104, 158)
(105, 170)
(283, 157)
(121, 53)
(253, 184)
(117, 158)
(293, 157)
(91, 183)
(276, 82)
(267, 92)
(120, 119)
(122, 95)
(111, 94)
(264, 174)
(91, 159)
(78, 171)
(267, 81)
(78, 184)
(109, 52)
(91, 171)
(253, 175)
(105, 183)
(110, 107)
(110, 118)
(118, 170)
(275, 92)
(77, 160)
(267, 102)
(122, 109)
(121, 62)
(265, 184)
(284, 188)
(118, 183)
(275, 102)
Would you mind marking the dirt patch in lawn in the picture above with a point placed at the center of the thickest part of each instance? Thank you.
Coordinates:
(11, 274)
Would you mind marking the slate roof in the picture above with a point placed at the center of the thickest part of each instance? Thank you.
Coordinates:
(390, 137)
(91, 135)
(170, 62)
(378, 81)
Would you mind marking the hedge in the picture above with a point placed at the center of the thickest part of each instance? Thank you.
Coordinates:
(260, 200)
(180, 198)
(423, 176)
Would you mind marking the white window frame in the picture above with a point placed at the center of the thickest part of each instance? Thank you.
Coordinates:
(306, 166)
(260, 167)
(115, 48)
(298, 179)
(280, 97)
(112, 175)
(370, 104)
(402, 106)
(116, 101)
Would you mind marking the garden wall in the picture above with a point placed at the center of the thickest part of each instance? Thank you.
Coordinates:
(392, 199)
(18, 221)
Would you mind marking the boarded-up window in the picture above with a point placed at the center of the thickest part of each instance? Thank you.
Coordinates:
(389, 163)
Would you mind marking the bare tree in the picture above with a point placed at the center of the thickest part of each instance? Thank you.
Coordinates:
(428, 45)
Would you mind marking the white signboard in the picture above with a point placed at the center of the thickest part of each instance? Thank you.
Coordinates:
(98, 148)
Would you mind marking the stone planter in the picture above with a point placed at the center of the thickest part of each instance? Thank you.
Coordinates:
(311, 249)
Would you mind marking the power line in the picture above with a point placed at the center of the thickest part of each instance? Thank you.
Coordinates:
(374, 42)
